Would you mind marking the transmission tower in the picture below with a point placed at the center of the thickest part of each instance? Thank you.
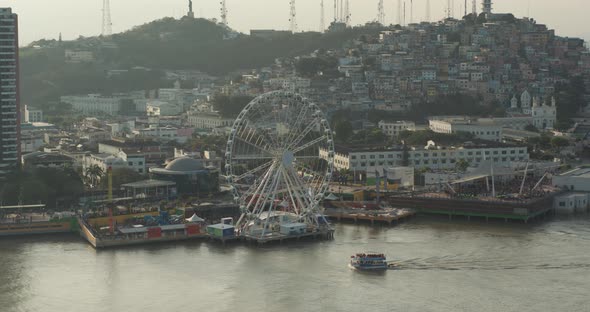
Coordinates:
(411, 11)
(107, 25)
(474, 7)
(223, 13)
(381, 13)
(322, 17)
(428, 10)
(293, 17)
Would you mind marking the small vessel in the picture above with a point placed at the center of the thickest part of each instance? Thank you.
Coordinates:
(369, 262)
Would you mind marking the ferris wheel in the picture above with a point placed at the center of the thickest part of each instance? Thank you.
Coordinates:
(279, 161)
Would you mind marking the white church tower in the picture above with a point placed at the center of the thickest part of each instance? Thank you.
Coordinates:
(544, 116)
(525, 102)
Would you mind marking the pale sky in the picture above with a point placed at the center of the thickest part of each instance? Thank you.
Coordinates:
(47, 18)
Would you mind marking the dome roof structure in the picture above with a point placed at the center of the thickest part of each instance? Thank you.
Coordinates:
(185, 164)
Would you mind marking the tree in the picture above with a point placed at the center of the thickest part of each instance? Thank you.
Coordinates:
(531, 128)
(94, 173)
(122, 176)
(230, 106)
(461, 165)
(559, 142)
(343, 130)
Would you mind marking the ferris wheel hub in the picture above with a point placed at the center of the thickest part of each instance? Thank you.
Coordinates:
(288, 158)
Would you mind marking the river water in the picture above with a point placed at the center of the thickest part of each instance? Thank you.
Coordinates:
(443, 266)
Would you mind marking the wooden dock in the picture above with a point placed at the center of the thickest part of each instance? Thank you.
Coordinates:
(278, 237)
(378, 216)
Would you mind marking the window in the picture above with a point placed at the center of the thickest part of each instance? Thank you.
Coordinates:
(381, 156)
(353, 157)
(140, 170)
(504, 152)
(372, 164)
(140, 163)
(469, 153)
(372, 156)
(390, 156)
(130, 163)
(363, 157)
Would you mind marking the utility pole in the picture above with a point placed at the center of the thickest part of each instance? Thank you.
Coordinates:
(107, 25)
(293, 17)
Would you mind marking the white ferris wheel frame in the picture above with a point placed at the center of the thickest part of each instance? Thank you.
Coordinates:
(303, 195)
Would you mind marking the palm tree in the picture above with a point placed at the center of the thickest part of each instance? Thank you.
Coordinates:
(93, 174)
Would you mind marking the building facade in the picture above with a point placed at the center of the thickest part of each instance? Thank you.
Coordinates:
(393, 129)
(9, 93)
(432, 158)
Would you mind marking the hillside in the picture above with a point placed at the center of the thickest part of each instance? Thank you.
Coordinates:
(196, 44)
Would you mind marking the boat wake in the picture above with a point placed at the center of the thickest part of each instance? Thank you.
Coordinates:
(451, 263)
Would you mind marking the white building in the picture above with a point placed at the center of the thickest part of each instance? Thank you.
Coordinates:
(208, 120)
(33, 115)
(123, 160)
(93, 104)
(161, 108)
(165, 134)
(481, 130)
(544, 116)
(393, 129)
(432, 157)
(574, 180)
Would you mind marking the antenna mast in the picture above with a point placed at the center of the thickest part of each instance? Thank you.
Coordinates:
(107, 25)
(293, 17)
(428, 10)
(223, 13)
(381, 13)
(474, 8)
(347, 12)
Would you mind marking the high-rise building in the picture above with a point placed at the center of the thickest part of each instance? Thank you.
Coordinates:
(9, 93)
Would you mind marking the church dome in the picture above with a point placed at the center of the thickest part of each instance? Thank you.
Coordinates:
(185, 164)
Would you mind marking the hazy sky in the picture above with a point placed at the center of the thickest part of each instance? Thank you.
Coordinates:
(47, 18)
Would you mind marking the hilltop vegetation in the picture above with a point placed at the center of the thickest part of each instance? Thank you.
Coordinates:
(191, 44)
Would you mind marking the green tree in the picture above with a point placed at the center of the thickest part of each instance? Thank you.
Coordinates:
(343, 130)
(230, 106)
(93, 175)
(122, 176)
(559, 142)
(461, 165)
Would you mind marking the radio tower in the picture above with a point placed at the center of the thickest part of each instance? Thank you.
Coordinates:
(448, 8)
(381, 13)
(428, 10)
(293, 17)
(107, 25)
(347, 12)
(223, 13)
(474, 8)
(322, 17)
(486, 6)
